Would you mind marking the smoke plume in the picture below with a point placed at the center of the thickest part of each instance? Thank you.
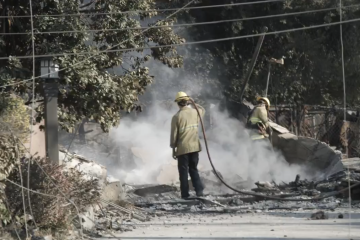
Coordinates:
(148, 137)
(232, 152)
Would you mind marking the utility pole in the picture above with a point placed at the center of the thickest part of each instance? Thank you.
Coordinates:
(253, 61)
(49, 71)
(272, 61)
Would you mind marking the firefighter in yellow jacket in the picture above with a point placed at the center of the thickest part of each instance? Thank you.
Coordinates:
(185, 142)
(258, 121)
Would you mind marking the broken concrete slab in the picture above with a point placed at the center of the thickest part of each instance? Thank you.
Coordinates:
(90, 168)
(113, 192)
(88, 218)
(319, 157)
(278, 128)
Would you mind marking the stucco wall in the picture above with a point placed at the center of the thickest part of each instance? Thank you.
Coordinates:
(37, 141)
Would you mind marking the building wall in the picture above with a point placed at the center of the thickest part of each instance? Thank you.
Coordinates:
(37, 141)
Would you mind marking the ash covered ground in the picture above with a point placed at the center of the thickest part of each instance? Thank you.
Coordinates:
(149, 208)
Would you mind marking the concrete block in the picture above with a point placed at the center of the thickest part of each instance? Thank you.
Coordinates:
(318, 157)
(278, 128)
(90, 168)
(113, 192)
(88, 218)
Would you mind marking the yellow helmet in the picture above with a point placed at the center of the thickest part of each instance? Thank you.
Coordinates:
(266, 100)
(181, 96)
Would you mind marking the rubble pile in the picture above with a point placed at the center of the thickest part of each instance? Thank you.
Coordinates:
(118, 218)
(117, 207)
(162, 199)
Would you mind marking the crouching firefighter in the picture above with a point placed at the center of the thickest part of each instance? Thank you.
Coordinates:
(258, 121)
(184, 140)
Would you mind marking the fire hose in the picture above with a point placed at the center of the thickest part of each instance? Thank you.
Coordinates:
(253, 193)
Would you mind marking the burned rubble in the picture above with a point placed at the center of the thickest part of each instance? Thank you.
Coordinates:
(144, 202)
(124, 207)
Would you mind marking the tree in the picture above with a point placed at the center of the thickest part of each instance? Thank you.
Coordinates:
(87, 87)
(312, 73)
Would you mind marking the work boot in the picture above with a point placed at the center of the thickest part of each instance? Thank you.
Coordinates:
(185, 197)
(200, 194)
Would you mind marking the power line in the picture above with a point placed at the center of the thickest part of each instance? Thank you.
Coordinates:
(189, 43)
(184, 24)
(30, 190)
(146, 11)
(32, 104)
(344, 90)
(47, 175)
(116, 45)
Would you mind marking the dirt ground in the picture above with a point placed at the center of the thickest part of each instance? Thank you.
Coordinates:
(258, 225)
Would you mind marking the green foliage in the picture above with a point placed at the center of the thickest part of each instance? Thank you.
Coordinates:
(14, 117)
(88, 86)
(10, 151)
(312, 73)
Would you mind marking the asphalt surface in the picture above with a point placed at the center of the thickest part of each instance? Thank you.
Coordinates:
(258, 225)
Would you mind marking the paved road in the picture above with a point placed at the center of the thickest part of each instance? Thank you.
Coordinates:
(248, 226)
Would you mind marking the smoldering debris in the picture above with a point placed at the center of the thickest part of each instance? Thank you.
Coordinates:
(319, 215)
(301, 189)
(141, 203)
(144, 202)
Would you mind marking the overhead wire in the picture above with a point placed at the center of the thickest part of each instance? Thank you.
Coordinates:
(185, 24)
(47, 175)
(23, 199)
(180, 44)
(171, 45)
(11, 216)
(215, 40)
(116, 45)
(344, 121)
(147, 11)
(30, 190)
(32, 106)
(21, 181)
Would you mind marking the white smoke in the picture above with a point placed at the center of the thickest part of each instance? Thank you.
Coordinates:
(230, 147)
(149, 138)
(232, 152)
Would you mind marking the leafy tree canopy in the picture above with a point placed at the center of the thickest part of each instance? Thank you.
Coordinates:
(87, 87)
(312, 73)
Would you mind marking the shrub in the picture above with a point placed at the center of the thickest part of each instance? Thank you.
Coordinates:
(52, 212)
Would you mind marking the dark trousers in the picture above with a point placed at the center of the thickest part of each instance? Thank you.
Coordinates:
(188, 163)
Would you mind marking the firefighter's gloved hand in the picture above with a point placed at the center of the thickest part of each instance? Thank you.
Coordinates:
(174, 154)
